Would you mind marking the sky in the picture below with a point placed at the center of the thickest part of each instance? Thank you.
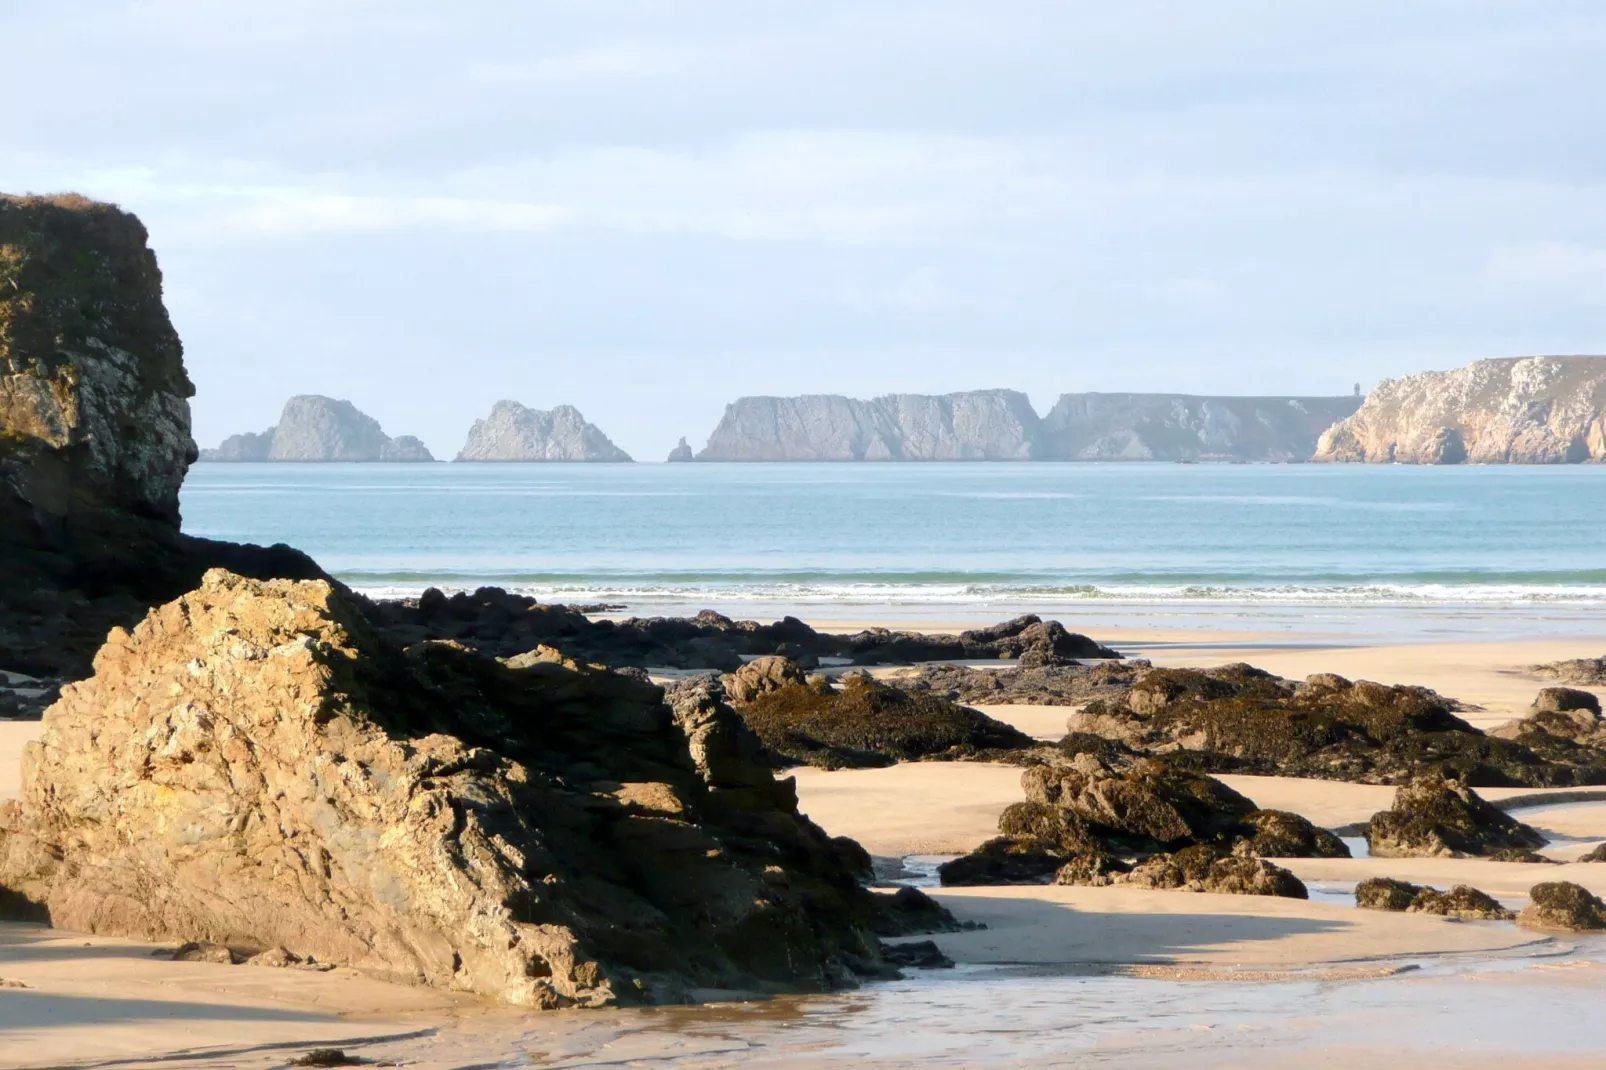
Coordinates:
(647, 208)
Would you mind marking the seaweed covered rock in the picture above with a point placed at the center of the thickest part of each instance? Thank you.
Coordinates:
(861, 723)
(503, 624)
(1461, 901)
(761, 676)
(1437, 817)
(1240, 719)
(1102, 815)
(1038, 684)
(1386, 893)
(256, 766)
(1595, 854)
(1562, 906)
(1581, 672)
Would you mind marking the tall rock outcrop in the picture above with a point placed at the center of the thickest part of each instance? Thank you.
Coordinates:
(682, 453)
(1512, 410)
(513, 432)
(316, 428)
(255, 765)
(1184, 427)
(94, 436)
(978, 425)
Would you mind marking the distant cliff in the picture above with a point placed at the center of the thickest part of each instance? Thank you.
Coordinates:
(1513, 410)
(316, 428)
(1184, 427)
(980, 425)
(513, 432)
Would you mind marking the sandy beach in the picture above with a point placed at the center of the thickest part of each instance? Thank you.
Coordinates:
(95, 999)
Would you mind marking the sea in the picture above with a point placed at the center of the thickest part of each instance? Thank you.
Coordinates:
(1359, 550)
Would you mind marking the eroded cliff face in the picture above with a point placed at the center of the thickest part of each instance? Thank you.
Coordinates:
(94, 437)
(94, 400)
(979, 425)
(1512, 410)
(514, 432)
(316, 428)
(1181, 427)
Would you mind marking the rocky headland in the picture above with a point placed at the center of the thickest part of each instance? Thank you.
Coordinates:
(1512, 410)
(315, 428)
(1183, 427)
(513, 432)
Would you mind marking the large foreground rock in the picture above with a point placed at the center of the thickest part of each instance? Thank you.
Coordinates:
(1513, 410)
(255, 766)
(513, 432)
(316, 428)
(94, 437)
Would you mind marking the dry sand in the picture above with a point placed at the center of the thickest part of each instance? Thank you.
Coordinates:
(13, 735)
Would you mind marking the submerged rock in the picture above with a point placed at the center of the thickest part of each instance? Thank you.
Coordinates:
(1561, 906)
(512, 432)
(859, 723)
(316, 428)
(256, 766)
(1512, 410)
(1436, 817)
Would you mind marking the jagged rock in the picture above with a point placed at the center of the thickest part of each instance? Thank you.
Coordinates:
(1512, 410)
(513, 432)
(1038, 685)
(1181, 427)
(1461, 901)
(316, 428)
(256, 766)
(1585, 672)
(1436, 817)
(1386, 893)
(1561, 718)
(1239, 719)
(979, 425)
(94, 437)
(682, 453)
(1561, 906)
(861, 723)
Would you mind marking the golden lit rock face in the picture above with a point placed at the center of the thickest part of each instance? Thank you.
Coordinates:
(1514, 410)
(94, 409)
(254, 765)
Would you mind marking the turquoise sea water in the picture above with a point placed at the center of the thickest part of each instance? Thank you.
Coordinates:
(1148, 543)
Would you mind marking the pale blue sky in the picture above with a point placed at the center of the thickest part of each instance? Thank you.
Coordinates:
(647, 208)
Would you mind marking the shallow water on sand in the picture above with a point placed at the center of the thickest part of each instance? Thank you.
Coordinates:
(989, 1016)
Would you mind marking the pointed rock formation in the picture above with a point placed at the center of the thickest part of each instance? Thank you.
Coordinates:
(513, 432)
(315, 428)
(681, 453)
(1512, 410)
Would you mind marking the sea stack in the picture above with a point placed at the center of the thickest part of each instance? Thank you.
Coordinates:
(1509, 410)
(682, 453)
(513, 432)
(315, 428)
(1186, 427)
(979, 425)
